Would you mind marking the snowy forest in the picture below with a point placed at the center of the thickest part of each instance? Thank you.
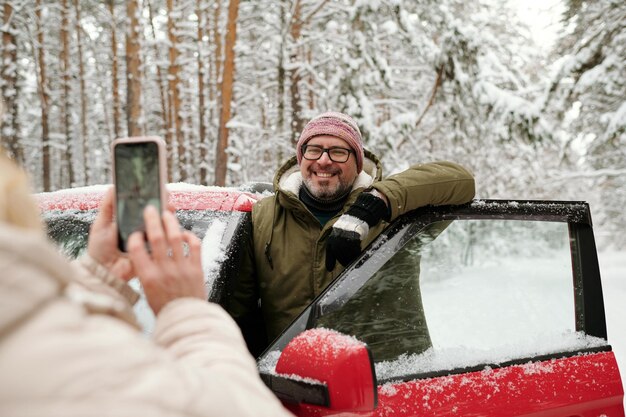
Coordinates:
(229, 84)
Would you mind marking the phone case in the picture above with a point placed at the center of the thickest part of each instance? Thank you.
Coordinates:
(162, 172)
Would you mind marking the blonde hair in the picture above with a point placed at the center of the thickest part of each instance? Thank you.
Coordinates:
(17, 206)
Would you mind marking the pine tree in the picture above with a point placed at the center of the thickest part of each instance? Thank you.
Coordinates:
(587, 98)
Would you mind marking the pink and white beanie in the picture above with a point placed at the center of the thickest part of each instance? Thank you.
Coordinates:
(334, 124)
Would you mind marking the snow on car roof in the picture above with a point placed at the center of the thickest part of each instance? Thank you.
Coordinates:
(183, 196)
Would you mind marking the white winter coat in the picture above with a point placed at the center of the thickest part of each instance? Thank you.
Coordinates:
(69, 345)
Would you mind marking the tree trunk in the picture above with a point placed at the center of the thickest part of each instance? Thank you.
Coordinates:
(311, 81)
(83, 98)
(133, 75)
(228, 75)
(201, 106)
(68, 156)
(10, 124)
(162, 94)
(295, 74)
(114, 75)
(100, 168)
(174, 92)
(44, 99)
(217, 56)
(297, 55)
(281, 77)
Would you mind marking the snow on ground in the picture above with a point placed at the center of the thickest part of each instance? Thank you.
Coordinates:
(613, 270)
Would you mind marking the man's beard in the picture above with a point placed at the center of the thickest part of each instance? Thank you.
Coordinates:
(327, 192)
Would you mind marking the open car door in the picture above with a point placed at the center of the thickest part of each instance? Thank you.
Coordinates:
(494, 308)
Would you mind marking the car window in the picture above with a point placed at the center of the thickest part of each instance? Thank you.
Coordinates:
(69, 229)
(220, 232)
(463, 293)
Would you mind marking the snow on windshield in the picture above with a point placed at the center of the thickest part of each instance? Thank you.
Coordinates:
(69, 229)
(184, 186)
(96, 189)
(213, 252)
(101, 188)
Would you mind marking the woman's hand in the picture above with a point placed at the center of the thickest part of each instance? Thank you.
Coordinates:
(102, 244)
(169, 271)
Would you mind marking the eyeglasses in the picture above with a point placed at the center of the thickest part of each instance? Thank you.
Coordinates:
(336, 154)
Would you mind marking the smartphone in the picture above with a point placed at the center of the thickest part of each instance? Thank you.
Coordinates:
(139, 175)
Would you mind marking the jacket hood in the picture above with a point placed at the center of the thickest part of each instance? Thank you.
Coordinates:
(33, 272)
(289, 179)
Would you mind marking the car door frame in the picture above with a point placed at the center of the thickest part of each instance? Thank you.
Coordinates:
(588, 300)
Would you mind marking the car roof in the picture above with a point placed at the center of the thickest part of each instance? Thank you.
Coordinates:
(182, 196)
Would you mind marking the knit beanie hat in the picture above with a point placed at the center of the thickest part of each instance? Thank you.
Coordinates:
(334, 124)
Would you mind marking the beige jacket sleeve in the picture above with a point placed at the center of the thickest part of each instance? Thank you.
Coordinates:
(207, 369)
(66, 353)
(215, 370)
(99, 291)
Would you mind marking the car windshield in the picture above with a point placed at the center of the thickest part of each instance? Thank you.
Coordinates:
(69, 229)
(219, 231)
(456, 294)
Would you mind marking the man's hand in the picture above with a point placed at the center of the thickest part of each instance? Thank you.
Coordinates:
(344, 241)
(102, 244)
(168, 272)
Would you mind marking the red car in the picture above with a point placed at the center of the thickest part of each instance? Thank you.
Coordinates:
(217, 215)
(493, 308)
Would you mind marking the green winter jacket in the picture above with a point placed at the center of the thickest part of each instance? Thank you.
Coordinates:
(283, 262)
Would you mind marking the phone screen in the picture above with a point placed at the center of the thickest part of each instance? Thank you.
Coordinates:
(137, 186)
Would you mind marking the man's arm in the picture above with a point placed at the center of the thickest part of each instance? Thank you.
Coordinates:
(437, 184)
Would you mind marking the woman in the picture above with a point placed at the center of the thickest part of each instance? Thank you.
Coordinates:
(69, 343)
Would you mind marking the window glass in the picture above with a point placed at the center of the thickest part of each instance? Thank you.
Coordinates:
(218, 230)
(494, 283)
(69, 229)
(465, 293)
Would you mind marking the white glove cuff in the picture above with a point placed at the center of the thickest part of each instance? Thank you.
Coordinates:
(352, 224)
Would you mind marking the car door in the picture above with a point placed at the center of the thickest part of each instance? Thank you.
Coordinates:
(492, 309)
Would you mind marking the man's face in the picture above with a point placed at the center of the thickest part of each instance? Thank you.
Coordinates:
(326, 179)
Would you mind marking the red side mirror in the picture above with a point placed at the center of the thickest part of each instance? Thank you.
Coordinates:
(341, 362)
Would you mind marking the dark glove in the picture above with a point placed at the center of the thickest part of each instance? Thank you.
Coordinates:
(344, 241)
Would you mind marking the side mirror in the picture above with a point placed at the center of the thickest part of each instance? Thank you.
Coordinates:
(342, 363)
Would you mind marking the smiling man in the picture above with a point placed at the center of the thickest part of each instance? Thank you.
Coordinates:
(331, 201)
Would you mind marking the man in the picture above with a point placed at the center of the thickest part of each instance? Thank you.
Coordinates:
(330, 203)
